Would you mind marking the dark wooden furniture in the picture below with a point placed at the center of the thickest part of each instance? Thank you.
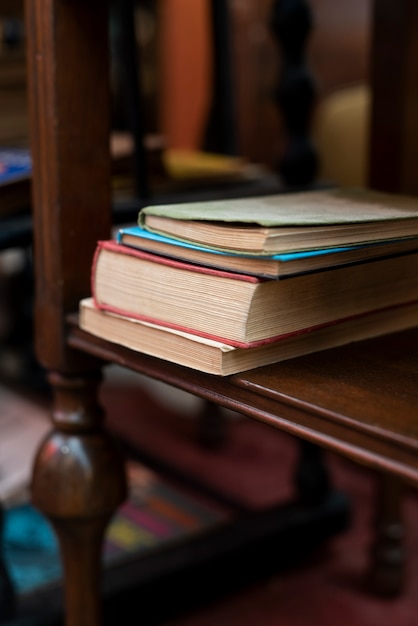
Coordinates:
(359, 400)
(316, 504)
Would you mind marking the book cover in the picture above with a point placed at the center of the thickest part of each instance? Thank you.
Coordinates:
(239, 308)
(289, 221)
(15, 180)
(263, 265)
(219, 358)
(15, 164)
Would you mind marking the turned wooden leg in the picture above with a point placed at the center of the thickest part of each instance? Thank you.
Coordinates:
(78, 483)
(211, 425)
(388, 553)
(311, 476)
(291, 25)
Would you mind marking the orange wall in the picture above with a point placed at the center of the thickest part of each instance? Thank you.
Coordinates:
(185, 70)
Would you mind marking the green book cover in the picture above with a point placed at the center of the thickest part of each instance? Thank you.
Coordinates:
(288, 222)
(315, 208)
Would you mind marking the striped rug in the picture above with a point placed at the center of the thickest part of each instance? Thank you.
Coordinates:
(155, 514)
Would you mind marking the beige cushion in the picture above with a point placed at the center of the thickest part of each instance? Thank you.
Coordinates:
(340, 130)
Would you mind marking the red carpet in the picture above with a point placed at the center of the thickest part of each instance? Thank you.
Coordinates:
(254, 468)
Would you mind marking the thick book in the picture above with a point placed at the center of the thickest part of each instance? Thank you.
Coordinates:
(239, 308)
(216, 357)
(263, 265)
(287, 222)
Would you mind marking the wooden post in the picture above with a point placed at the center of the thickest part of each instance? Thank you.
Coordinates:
(78, 480)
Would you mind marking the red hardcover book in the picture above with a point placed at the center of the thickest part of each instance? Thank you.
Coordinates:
(242, 310)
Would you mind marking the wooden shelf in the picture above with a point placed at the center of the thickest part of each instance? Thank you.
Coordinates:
(356, 399)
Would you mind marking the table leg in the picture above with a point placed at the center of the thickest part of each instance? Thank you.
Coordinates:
(78, 483)
(387, 571)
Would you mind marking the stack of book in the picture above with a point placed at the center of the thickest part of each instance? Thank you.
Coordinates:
(226, 286)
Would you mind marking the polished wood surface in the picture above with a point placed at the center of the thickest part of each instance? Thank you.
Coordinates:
(68, 82)
(359, 400)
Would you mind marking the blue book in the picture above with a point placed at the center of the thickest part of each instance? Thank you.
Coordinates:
(15, 176)
(15, 164)
(263, 265)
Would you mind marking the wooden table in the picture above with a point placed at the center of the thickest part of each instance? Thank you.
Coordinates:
(359, 400)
